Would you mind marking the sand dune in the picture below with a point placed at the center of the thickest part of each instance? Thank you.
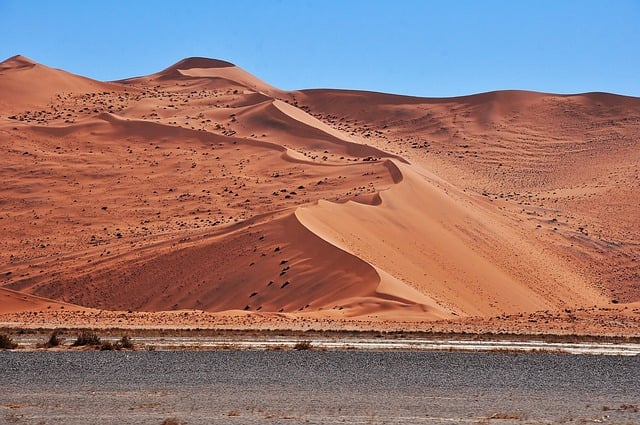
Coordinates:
(276, 265)
(20, 302)
(211, 72)
(428, 236)
(558, 165)
(27, 84)
(203, 189)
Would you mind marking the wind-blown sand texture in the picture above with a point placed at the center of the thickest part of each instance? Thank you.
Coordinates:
(202, 196)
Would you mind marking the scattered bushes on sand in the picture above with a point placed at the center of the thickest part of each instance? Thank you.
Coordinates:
(107, 346)
(123, 344)
(6, 343)
(302, 345)
(87, 338)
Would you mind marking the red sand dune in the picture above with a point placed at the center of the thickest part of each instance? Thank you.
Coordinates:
(204, 188)
(26, 84)
(19, 302)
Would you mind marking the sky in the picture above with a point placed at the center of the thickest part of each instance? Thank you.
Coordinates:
(421, 48)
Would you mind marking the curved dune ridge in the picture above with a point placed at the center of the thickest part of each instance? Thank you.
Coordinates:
(204, 188)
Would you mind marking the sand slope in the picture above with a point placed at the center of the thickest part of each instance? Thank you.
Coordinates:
(562, 167)
(425, 234)
(204, 188)
(26, 84)
(19, 302)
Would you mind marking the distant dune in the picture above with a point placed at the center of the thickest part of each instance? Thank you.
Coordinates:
(202, 188)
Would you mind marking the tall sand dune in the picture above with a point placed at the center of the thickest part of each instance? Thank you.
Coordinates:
(203, 188)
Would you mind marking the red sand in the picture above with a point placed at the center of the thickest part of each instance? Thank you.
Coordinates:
(204, 190)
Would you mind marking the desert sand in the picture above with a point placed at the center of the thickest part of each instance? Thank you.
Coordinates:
(201, 196)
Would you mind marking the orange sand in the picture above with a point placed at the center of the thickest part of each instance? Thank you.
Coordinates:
(202, 196)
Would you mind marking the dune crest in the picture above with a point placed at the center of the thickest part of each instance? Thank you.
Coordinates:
(17, 62)
(198, 62)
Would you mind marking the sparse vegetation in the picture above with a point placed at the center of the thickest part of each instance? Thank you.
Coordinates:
(6, 343)
(107, 346)
(125, 343)
(53, 341)
(87, 338)
(302, 345)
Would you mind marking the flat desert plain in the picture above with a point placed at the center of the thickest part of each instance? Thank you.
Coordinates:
(203, 197)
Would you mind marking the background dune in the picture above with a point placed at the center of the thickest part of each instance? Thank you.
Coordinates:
(203, 188)
(27, 84)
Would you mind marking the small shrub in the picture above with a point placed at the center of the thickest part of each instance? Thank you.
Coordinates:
(302, 345)
(87, 338)
(54, 341)
(124, 343)
(107, 346)
(6, 343)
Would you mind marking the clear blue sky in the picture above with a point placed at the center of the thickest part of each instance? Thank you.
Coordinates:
(424, 48)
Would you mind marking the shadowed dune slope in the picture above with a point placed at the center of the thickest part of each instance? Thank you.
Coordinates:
(274, 266)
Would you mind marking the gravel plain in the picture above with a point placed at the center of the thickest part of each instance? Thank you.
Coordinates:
(321, 387)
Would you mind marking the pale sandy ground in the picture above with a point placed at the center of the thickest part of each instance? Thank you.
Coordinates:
(201, 196)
